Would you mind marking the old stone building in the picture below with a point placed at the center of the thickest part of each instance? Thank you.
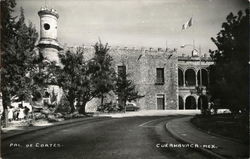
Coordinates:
(154, 73)
(193, 80)
(167, 81)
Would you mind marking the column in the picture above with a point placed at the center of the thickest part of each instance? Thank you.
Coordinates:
(197, 102)
(184, 80)
(196, 79)
(184, 103)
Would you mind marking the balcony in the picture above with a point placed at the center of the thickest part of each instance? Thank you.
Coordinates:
(159, 83)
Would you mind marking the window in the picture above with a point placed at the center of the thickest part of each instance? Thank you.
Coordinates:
(46, 26)
(159, 76)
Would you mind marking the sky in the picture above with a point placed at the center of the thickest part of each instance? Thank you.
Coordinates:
(136, 23)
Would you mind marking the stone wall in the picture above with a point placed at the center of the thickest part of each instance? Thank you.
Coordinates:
(141, 66)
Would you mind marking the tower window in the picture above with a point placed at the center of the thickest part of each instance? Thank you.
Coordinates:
(46, 26)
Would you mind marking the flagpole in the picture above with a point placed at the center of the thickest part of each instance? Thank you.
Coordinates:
(193, 32)
(200, 78)
(166, 44)
(193, 45)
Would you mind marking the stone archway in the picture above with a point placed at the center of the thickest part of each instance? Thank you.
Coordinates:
(180, 77)
(203, 77)
(190, 103)
(190, 79)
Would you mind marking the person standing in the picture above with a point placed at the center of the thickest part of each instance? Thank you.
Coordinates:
(21, 113)
(10, 113)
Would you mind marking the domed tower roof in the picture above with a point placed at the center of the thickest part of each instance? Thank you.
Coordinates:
(45, 10)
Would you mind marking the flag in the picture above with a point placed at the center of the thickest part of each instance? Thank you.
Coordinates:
(187, 24)
(139, 57)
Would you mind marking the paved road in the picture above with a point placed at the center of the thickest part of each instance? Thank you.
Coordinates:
(112, 138)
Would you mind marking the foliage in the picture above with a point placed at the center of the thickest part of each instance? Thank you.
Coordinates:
(125, 89)
(70, 77)
(235, 127)
(86, 87)
(229, 75)
(108, 107)
(103, 74)
(17, 54)
(64, 105)
(83, 80)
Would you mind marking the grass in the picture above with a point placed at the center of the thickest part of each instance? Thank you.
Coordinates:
(227, 125)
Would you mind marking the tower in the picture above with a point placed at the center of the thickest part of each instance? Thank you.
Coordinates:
(49, 47)
(48, 43)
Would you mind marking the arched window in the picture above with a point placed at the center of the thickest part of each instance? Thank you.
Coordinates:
(190, 77)
(202, 102)
(190, 103)
(181, 103)
(204, 77)
(180, 77)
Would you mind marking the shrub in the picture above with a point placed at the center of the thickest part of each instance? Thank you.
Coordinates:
(64, 105)
(108, 107)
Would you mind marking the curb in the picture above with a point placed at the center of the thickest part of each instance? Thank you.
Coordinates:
(182, 140)
(67, 122)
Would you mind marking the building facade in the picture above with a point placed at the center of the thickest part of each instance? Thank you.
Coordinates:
(154, 72)
(167, 81)
(193, 82)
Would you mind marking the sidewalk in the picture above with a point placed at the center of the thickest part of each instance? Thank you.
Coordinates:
(149, 113)
(7, 133)
(183, 130)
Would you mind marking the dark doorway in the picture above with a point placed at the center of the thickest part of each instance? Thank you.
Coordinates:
(160, 102)
(180, 77)
(190, 103)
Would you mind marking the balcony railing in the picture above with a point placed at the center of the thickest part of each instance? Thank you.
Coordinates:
(159, 82)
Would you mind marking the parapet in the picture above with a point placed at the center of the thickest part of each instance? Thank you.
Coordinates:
(51, 11)
(194, 58)
(131, 51)
(142, 49)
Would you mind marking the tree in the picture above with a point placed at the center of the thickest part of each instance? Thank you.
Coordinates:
(70, 77)
(25, 39)
(125, 88)
(17, 54)
(103, 73)
(7, 42)
(44, 74)
(87, 90)
(229, 75)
